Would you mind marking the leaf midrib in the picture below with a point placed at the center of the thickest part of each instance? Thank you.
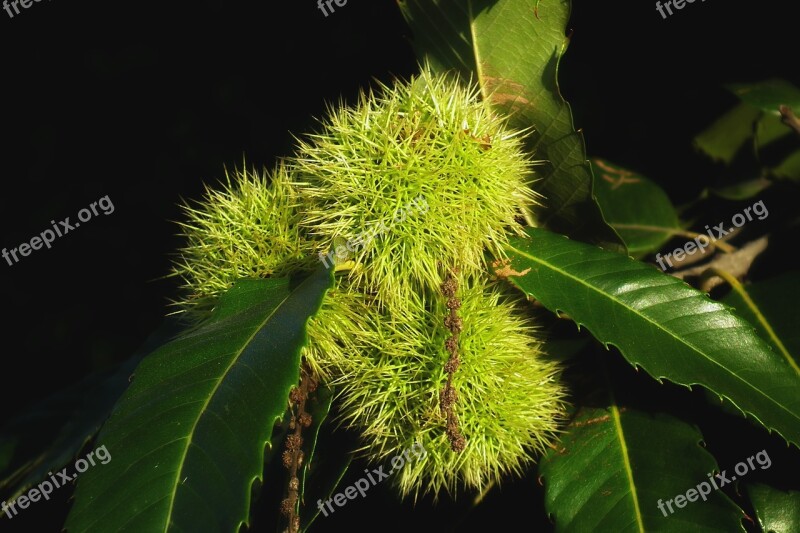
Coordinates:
(615, 414)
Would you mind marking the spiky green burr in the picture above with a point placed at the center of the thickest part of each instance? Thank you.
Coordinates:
(509, 402)
(431, 139)
(247, 229)
(423, 180)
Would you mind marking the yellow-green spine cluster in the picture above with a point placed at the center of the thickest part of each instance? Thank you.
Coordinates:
(422, 344)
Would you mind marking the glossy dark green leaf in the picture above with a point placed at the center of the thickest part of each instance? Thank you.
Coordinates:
(638, 209)
(513, 49)
(776, 511)
(188, 438)
(659, 323)
(770, 306)
(619, 469)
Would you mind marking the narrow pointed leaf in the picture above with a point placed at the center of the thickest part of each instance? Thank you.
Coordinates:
(188, 438)
(659, 323)
(613, 466)
(513, 49)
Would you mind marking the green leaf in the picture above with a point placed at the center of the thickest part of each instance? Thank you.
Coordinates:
(188, 438)
(755, 128)
(638, 209)
(789, 168)
(613, 467)
(743, 190)
(778, 147)
(318, 406)
(777, 511)
(660, 323)
(771, 308)
(330, 458)
(513, 49)
(767, 95)
(770, 129)
(729, 134)
(52, 432)
(321, 473)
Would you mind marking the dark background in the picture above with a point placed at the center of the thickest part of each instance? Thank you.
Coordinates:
(146, 101)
